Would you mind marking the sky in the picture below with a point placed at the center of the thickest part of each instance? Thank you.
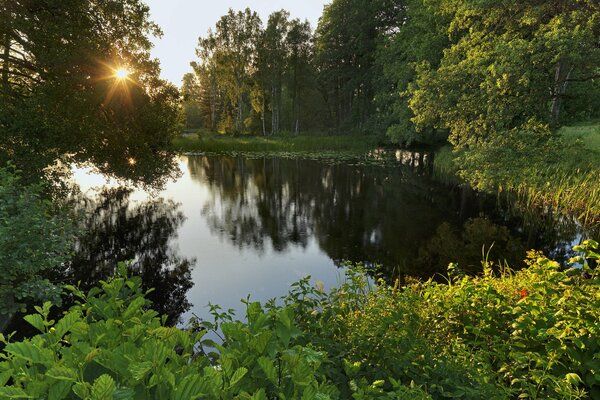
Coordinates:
(184, 21)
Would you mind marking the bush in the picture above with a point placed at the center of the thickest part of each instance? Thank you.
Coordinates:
(529, 334)
(34, 237)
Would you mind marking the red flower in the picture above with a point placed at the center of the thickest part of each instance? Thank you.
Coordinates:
(523, 293)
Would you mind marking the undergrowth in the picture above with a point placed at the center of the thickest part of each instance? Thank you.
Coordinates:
(502, 335)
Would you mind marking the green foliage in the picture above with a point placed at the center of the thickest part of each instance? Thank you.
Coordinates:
(111, 345)
(60, 99)
(285, 144)
(34, 237)
(506, 64)
(527, 334)
(543, 169)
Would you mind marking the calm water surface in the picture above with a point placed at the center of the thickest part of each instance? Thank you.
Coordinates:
(232, 226)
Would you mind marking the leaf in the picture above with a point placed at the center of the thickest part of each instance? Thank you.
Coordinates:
(260, 395)
(66, 323)
(30, 352)
(268, 368)
(62, 373)
(124, 394)
(139, 370)
(135, 305)
(36, 321)
(189, 388)
(103, 388)
(9, 392)
(82, 389)
(59, 390)
(261, 341)
(238, 375)
(573, 378)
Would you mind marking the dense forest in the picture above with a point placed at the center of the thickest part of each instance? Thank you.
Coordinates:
(414, 69)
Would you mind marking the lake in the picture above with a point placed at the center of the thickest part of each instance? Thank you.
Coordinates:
(229, 226)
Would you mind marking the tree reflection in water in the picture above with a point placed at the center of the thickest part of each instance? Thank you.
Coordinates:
(398, 218)
(117, 229)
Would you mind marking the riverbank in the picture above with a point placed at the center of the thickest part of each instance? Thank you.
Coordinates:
(502, 335)
(557, 172)
(215, 143)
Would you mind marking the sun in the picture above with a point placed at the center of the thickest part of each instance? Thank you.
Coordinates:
(121, 73)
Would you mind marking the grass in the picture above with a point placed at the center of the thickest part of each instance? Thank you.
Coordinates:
(559, 175)
(214, 143)
(587, 132)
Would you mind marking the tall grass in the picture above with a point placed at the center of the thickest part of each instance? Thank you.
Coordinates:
(557, 172)
(284, 144)
(575, 194)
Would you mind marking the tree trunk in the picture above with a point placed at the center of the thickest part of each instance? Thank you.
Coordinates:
(294, 101)
(5, 64)
(561, 80)
(263, 111)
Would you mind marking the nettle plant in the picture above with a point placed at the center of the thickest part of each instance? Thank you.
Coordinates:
(113, 346)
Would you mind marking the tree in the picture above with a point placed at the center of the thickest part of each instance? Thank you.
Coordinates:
(300, 67)
(34, 238)
(346, 41)
(508, 64)
(192, 100)
(274, 43)
(231, 49)
(420, 37)
(60, 99)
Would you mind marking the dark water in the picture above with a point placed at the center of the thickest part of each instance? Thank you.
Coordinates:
(232, 226)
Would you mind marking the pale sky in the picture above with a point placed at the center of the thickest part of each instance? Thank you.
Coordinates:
(184, 21)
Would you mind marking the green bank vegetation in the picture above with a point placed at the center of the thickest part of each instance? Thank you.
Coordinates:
(215, 143)
(556, 171)
(502, 335)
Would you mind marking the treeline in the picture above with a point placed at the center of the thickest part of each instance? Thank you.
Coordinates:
(414, 69)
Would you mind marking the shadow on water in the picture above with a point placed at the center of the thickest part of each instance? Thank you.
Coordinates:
(115, 229)
(399, 218)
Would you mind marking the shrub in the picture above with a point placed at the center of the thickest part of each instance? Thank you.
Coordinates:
(527, 334)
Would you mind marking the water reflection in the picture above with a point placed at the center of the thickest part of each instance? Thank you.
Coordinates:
(118, 229)
(398, 218)
(254, 226)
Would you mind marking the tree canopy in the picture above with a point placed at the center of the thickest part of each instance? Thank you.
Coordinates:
(61, 99)
(418, 70)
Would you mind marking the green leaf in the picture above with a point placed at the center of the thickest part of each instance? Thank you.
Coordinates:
(66, 323)
(9, 392)
(238, 375)
(260, 395)
(139, 370)
(59, 390)
(82, 389)
(30, 352)
(104, 387)
(573, 378)
(124, 394)
(62, 373)
(36, 321)
(268, 368)
(189, 388)
(135, 305)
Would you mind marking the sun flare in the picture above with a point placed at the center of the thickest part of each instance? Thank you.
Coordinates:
(121, 73)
